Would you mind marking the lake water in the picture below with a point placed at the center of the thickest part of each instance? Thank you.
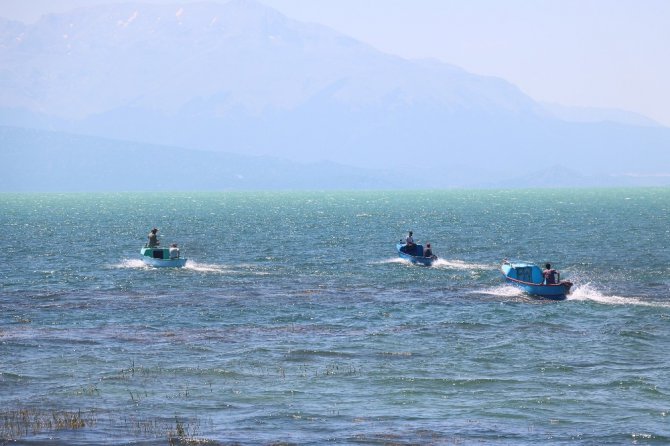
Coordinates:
(294, 322)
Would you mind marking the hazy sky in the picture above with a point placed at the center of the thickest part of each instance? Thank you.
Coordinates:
(598, 53)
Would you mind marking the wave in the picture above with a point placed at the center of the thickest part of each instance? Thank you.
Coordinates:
(588, 292)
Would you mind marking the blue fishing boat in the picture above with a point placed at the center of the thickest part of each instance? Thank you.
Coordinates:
(530, 278)
(416, 255)
(162, 257)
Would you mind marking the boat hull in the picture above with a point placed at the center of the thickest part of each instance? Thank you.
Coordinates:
(529, 278)
(160, 258)
(416, 259)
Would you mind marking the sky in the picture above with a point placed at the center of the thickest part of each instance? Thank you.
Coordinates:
(587, 53)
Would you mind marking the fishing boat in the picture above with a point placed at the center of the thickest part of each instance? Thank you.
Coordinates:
(529, 277)
(416, 256)
(161, 257)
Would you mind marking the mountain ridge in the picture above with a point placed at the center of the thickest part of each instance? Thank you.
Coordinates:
(266, 35)
(38, 161)
(46, 161)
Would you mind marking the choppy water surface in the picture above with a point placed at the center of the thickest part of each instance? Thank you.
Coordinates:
(294, 322)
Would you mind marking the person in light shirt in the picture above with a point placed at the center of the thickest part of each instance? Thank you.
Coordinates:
(174, 251)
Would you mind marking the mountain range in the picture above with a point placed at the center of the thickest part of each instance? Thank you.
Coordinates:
(215, 84)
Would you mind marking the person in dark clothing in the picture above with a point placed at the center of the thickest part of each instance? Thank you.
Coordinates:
(153, 238)
(550, 274)
(410, 246)
(428, 252)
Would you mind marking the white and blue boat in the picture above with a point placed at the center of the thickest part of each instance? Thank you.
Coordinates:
(529, 277)
(416, 256)
(161, 257)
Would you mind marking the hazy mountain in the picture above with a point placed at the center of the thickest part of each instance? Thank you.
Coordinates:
(37, 160)
(242, 78)
(594, 114)
(214, 59)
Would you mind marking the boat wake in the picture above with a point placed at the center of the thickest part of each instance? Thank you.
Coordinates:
(587, 292)
(207, 267)
(394, 260)
(132, 264)
(460, 264)
(503, 291)
(442, 264)
(190, 266)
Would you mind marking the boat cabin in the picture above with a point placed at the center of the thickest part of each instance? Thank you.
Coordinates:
(526, 273)
(158, 253)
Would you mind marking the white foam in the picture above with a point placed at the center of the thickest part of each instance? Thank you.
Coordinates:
(206, 267)
(393, 260)
(441, 263)
(588, 292)
(503, 291)
(190, 265)
(132, 263)
(460, 264)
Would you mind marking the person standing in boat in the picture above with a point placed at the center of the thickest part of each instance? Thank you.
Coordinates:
(550, 275)
(174, 251)
(410, 246)
(153, 238)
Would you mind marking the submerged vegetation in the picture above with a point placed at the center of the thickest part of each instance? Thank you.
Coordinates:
(26, 422)
(23, 422)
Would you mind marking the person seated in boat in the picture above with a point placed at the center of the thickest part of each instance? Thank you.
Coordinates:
(550, 275)
(153, 238)
(410, 246)
(174, 251)
(428, 252)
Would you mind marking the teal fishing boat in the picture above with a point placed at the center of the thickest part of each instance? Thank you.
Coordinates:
(531, 279)
(162, 257)
(416, 255)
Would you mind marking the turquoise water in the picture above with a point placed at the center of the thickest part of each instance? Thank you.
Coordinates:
(294, 322)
